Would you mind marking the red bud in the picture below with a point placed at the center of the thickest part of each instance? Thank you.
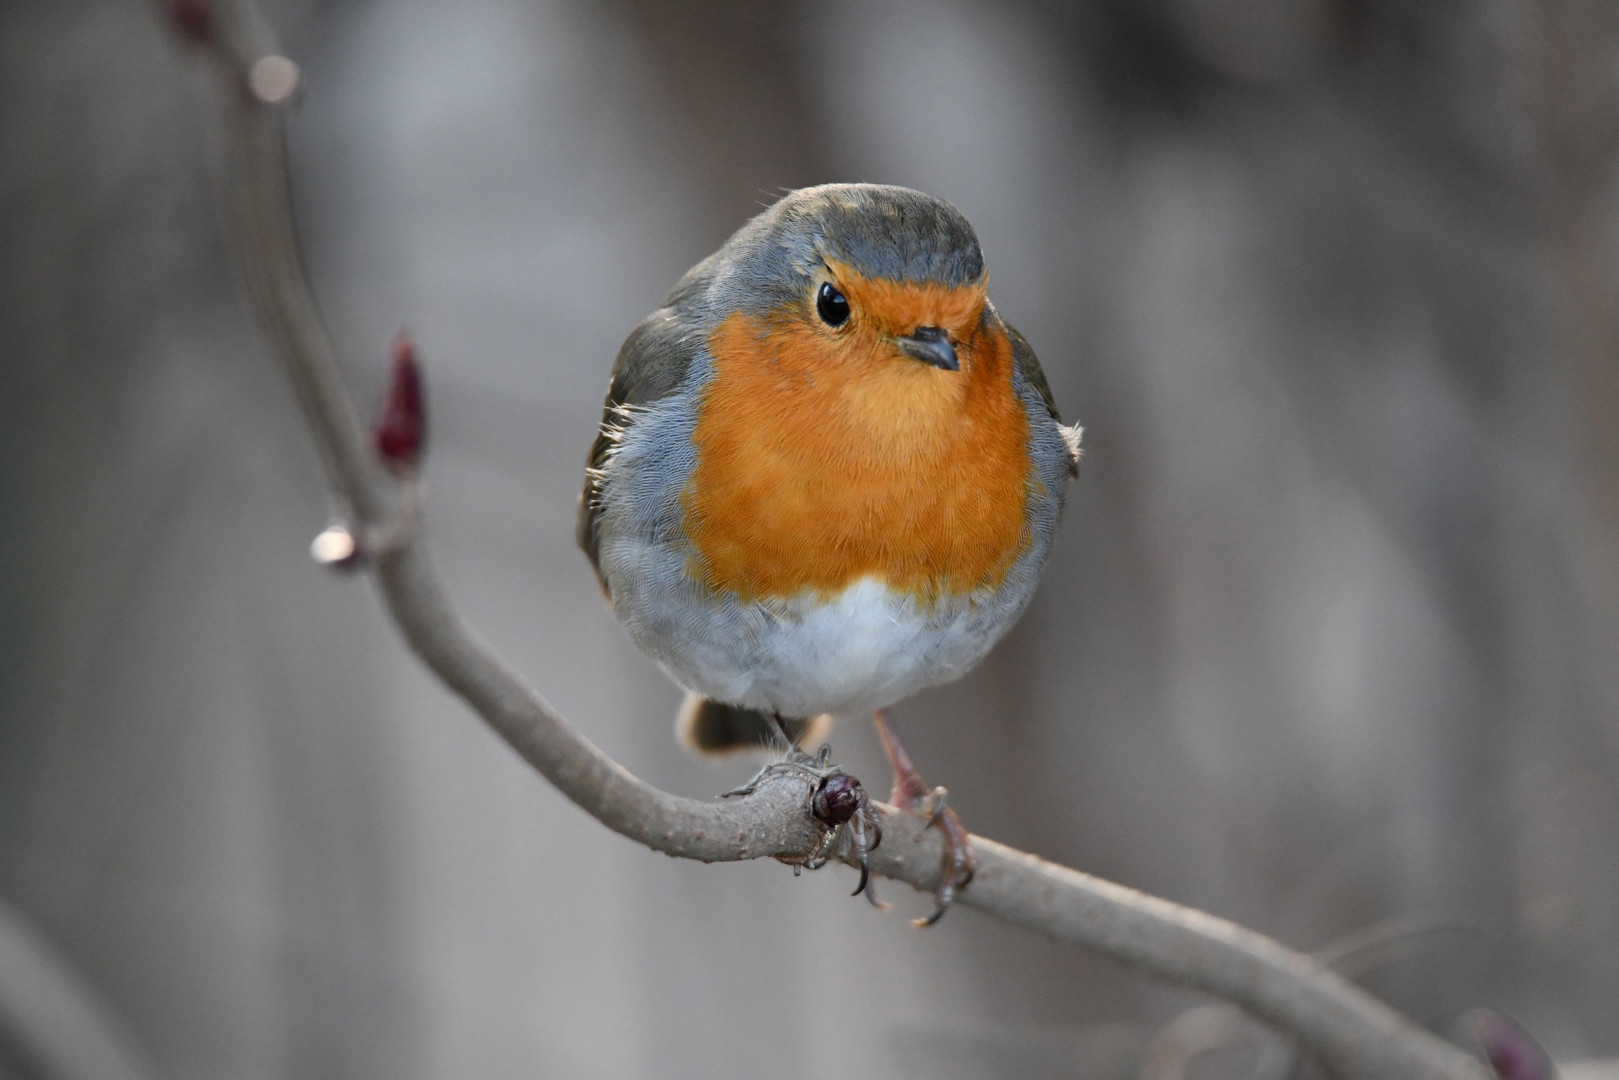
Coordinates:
(400, 430)
(1512, 1053)
(838, 799)
(193, 20)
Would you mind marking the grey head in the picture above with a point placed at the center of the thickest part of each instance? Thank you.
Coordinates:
(878, 230)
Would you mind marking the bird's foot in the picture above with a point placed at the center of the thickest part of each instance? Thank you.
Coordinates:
(839, 804)
(813, 766)
(913, 795)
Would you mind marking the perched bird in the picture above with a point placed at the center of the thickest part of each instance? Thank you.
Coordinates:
(827, 475)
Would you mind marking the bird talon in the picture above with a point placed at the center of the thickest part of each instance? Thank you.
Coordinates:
(867, 886)
(930, 803)
(796, 762)
(941, 900)
(839, 803)
(958, 871)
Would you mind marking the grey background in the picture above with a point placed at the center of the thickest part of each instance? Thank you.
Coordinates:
(1328, 636)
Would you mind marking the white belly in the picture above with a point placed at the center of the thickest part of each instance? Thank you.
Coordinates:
(863, 649)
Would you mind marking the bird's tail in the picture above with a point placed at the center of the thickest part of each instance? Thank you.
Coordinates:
(710, 727)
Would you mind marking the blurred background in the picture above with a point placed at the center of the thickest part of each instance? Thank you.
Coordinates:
(1329, 643)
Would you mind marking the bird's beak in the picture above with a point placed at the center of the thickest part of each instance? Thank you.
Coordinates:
(930, 345)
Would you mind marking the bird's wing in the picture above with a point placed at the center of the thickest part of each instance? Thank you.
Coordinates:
(1029, 367)
(651, 365)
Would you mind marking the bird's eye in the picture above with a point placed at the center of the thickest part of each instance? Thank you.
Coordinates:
(830, 304)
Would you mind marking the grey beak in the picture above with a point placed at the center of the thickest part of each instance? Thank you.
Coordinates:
(931, 345)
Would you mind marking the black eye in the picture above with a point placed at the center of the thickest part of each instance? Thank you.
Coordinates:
(831, 305)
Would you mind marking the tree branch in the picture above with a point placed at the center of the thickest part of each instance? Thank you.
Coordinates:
(1357, 1035)
(51, 1017)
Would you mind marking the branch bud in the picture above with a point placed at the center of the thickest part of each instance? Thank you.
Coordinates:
(1510, 1050)
(838, 799)
(400, 430)
(192, 20)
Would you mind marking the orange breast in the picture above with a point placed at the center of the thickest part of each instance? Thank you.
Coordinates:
(822, 459)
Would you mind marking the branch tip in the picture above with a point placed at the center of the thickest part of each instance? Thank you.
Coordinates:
(273, 79)
(336, 549)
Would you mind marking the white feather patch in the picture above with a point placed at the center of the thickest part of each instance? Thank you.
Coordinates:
(1070, 436)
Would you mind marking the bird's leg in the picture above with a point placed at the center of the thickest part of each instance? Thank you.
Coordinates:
(787, 740)
(913, 795)
(793, 760)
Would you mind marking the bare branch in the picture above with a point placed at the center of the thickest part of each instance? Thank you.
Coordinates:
(1358, 1035)
(52, 1018)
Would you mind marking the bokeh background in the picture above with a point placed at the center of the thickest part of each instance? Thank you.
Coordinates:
(1327, 645)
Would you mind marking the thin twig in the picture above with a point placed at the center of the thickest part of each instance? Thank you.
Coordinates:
(1358, 1035)
(51, 1017)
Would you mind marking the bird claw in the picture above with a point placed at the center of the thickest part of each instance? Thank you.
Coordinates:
(839, 803)
(865, 820)
(911, 795)
(959, 862)
(814, 767)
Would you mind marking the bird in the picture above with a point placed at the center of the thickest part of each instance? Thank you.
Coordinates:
(827, 476)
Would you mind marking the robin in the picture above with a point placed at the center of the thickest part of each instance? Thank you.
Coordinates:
(827, 475)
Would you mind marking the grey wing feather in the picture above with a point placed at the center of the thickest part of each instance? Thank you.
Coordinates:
(651, 364)
(1029, 367)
